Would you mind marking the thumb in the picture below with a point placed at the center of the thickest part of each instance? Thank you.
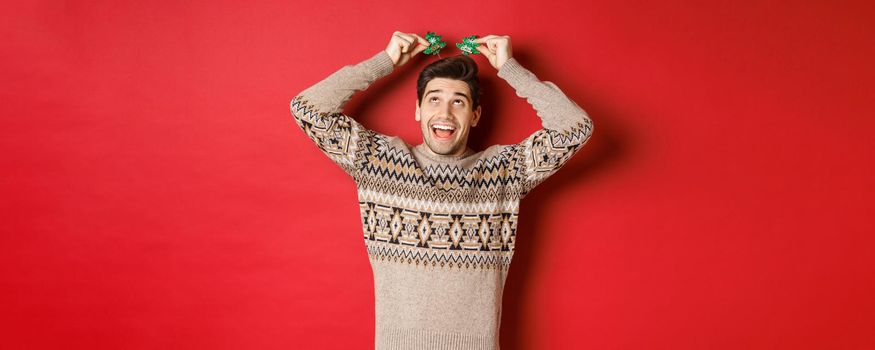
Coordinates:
(481, 39)
(418, 49)
(422, 40)
(486, 52)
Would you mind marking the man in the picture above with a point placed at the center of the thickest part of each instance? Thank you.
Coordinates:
(439, 219)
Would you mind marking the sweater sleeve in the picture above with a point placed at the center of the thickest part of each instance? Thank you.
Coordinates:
(318, 111)
(565, 127)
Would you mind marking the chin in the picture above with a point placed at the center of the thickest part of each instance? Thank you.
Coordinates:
(439, 148)
(444, 148)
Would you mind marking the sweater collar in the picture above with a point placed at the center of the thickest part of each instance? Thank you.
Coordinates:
(427, 153)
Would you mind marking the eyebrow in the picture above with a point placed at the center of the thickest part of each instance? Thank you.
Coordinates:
(456, 93)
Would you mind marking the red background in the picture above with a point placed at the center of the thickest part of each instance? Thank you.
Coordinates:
(156, 192)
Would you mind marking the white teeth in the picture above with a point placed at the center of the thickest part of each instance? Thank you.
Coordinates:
(443, 127)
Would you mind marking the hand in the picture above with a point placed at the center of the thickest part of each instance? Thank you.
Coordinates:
(403, 46)
(497, 49)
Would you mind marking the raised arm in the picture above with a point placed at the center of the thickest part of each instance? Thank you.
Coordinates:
(318, 110)
(565, 126)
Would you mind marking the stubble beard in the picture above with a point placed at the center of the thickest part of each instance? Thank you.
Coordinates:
(442, 148)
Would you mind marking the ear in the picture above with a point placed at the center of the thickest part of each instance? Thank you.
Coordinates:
(417, 112)
(476, 118)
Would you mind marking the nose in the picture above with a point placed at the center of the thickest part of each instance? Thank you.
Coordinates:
(447, 108)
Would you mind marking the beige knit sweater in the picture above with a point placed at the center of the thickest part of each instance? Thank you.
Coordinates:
(439, 230)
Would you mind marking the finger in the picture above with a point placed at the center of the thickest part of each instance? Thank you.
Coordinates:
(408, 38)
(421, 40)
(487, 53)
(484, 39)
(418, 49)
(405, 41)
(488, 47)
(402, 38)
(402, 46)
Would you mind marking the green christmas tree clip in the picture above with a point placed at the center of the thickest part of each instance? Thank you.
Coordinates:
(468, 46)
(435, 44)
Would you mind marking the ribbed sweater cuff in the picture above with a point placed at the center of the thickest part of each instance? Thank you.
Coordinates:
(514, 73)
(380, 64)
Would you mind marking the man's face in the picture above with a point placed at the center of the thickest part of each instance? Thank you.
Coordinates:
(445, 116)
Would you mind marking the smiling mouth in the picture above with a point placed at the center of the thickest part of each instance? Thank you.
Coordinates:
(442, 132)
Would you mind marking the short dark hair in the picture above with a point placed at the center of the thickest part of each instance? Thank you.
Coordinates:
(459, 67)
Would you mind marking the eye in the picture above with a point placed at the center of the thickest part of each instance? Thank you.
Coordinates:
(459, 100)
(432, 99)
